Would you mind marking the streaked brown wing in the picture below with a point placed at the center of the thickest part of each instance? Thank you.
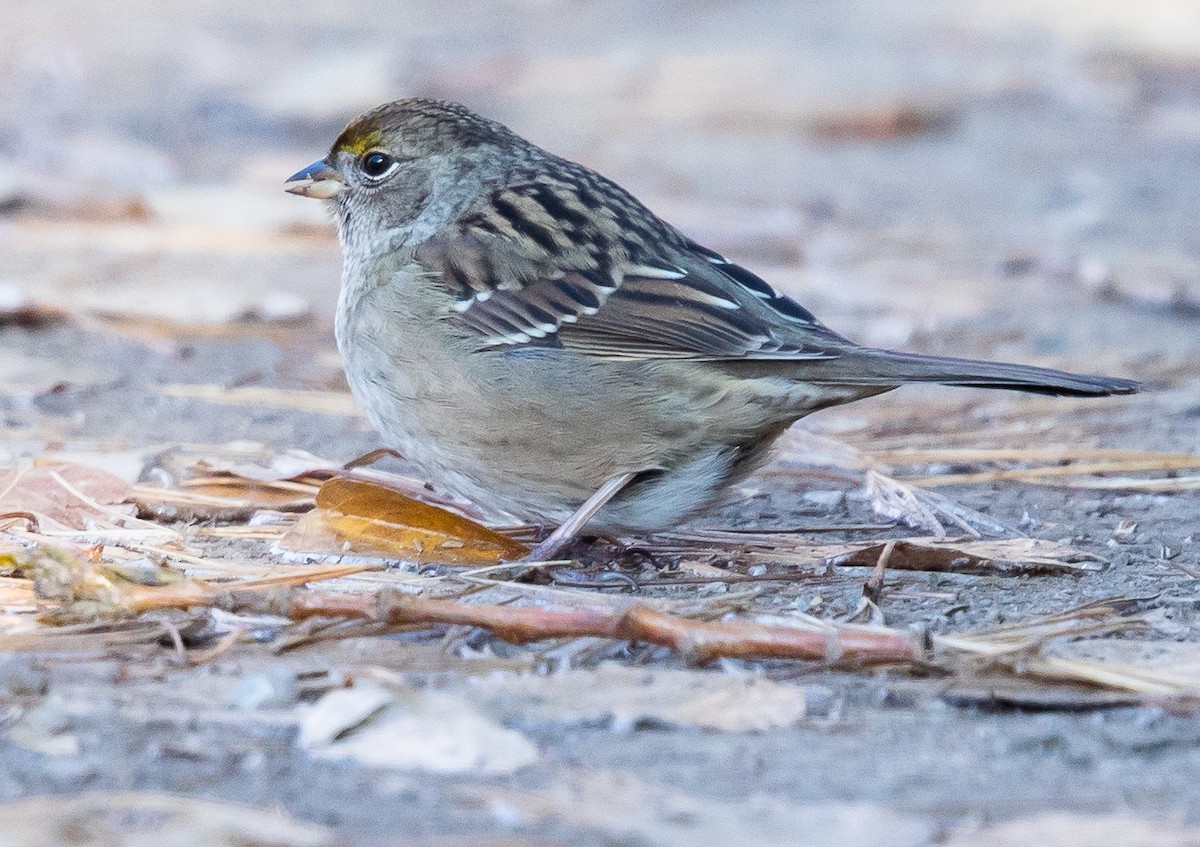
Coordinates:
(688, 318)
(521, 277)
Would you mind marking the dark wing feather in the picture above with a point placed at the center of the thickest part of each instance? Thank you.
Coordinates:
(581, 265)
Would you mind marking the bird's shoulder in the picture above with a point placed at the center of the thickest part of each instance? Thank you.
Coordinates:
(561, 255)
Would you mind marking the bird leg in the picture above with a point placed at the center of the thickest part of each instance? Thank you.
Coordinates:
(550, 547)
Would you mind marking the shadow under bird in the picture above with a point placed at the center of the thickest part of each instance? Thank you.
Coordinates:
(535, 339)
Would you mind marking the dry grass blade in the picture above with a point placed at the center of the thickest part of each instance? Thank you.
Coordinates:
(889, 497)
(999, 556)
(89, 591)
(1101, 617)
(1157, 486)
(86, 638)
(365, 517)
(1122, 677)
(283, 486)
(303, 576)
(940, 421)
(324, 402)
(1066, 467)
(964, 455)
(1022, 650)
(1047, 475)
(923, 510)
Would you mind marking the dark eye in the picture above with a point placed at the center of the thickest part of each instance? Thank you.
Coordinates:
(377, 164)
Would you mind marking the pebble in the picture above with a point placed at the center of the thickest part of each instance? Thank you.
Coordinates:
(276, 688)
(19, 677)
(829, 499)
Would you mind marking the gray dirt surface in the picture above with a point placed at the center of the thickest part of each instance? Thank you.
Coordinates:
(1041, 207)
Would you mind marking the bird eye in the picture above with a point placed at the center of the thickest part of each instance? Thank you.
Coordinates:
(376, 164)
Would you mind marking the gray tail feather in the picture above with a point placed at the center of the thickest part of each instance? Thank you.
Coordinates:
(866, 366)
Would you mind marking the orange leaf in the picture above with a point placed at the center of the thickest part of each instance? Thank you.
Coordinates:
(65, 495)
(365, 517)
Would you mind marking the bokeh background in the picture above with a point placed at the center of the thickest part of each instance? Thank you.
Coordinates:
(901, 166)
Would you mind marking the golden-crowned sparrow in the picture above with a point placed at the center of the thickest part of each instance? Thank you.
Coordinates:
(534, 338)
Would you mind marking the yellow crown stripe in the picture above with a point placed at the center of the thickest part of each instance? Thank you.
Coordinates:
(358, 139)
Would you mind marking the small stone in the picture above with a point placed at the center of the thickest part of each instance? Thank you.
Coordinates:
(19, 678)
(279, 306)
(12, 297)
(46, 730)
(828, 499)
(276, 688)
(1124, 531)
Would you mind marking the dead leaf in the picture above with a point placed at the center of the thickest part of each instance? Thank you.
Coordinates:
(624, 697)
(222, 499)
(340, 712)
(124, 463)
(151, 819)
(254, 462)
(66, 496)
(1064, 830)
(652, 813)
(362, 517)
(233, 481)
(18, 310)
(883, 123)
(971, 556)
(410, 729)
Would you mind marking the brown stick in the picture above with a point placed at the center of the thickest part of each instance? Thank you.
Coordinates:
(700, 641)
(873, 587)
(704, 641)
(29, 518)
(371, 457)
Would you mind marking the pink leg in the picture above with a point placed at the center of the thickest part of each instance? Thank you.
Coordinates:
(548, 549)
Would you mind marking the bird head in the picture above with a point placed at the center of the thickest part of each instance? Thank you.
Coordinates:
(391, 164)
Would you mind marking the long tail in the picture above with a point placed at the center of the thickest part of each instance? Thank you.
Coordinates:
(869, 367)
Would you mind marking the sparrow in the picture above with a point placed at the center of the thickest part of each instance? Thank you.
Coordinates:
(535, 339)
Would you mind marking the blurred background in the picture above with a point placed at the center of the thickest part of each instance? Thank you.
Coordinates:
(937, 175)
